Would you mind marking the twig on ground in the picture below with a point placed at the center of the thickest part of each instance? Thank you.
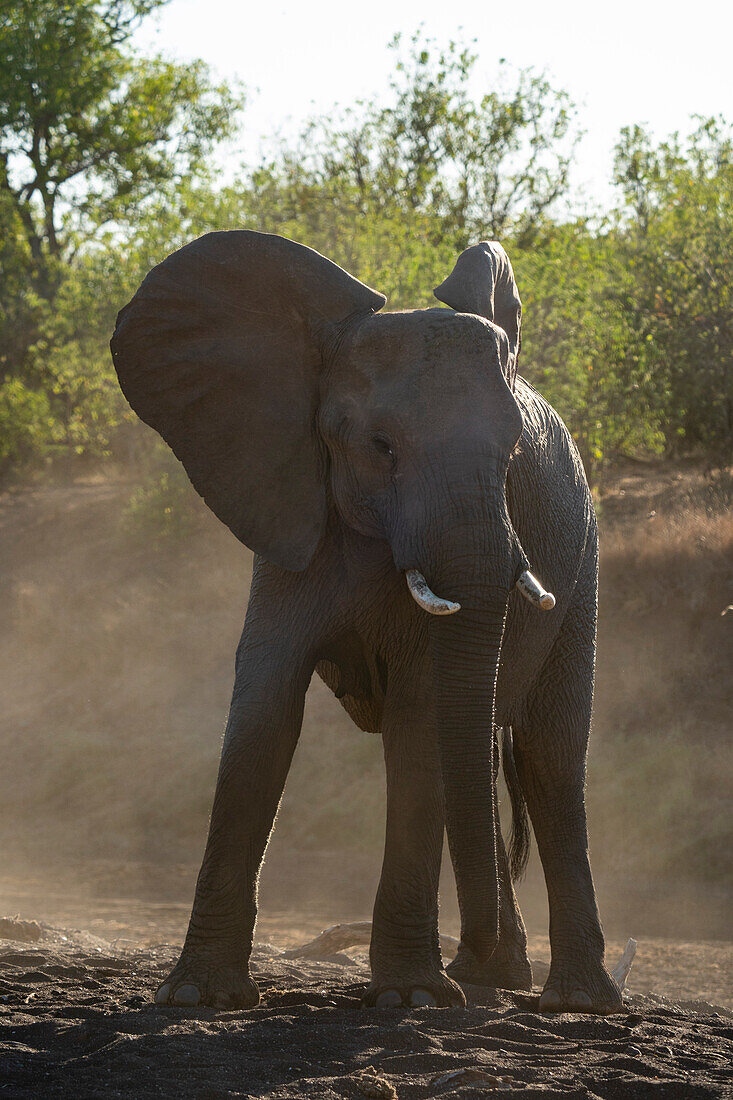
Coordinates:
(621, 970)
(339, 937)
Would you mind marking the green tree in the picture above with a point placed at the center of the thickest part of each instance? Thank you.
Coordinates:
(580, 346)
(471, 167)
(87, 129)
(678, 242)
(89, 133)
(489, 165)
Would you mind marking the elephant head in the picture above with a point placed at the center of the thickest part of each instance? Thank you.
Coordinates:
(277, 383)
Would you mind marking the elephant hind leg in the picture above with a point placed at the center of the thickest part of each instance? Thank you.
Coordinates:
(550, 753)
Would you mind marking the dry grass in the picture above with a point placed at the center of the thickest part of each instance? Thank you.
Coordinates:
(663, 705)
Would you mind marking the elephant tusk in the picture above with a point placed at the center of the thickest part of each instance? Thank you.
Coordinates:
(428, 601)
(533, 591)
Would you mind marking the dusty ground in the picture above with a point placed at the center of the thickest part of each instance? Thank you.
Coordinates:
(116, 664)
(76, 1018)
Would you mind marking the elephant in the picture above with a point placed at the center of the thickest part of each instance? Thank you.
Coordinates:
(397, 480)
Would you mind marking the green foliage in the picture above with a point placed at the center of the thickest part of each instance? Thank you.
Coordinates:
(627, 319)
(26, 424)
(487, 165)
(466, 166)
(580, 347)
(87, 129)
(89, 133)
(160, 509)
(678, 241)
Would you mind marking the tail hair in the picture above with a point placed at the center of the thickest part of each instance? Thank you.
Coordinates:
(519, 843)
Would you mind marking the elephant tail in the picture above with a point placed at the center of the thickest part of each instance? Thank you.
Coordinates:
(520, 839)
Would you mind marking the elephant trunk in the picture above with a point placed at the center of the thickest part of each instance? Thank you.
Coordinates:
(475, 564)
(465, 653)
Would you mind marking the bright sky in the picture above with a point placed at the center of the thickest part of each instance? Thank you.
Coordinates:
(623, 61)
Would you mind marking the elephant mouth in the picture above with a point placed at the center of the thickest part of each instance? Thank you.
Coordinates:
(424, 597)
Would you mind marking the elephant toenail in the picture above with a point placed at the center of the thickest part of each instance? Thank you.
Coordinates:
(422, 998)
(550, 1001)
(580, 1000)
(161, 997)
(187, 996)
(222, 1000)
(389, 999)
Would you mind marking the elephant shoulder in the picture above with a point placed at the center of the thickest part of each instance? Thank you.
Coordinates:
(546, 443)
(549, 500)
(543, 425)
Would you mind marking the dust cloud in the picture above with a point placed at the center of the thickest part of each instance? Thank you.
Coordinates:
(117, 665)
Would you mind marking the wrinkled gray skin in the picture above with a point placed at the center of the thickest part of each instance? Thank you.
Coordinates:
(346, 446)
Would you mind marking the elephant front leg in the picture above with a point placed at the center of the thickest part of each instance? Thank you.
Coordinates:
(407, 967)
(262, 731)
(509, 966)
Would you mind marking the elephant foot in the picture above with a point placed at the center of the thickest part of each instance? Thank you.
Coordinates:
(506, 969)
(205, 976)
(577, 986)
(419, 991)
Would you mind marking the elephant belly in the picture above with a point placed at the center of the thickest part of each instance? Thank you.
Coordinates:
(357, 679)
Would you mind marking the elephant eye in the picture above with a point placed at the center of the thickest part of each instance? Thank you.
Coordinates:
(383, 445)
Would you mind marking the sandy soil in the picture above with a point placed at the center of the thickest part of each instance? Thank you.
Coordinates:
(76, 1019)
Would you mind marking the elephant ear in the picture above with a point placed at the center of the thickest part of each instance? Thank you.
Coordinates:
(483, 282)
(220, 351)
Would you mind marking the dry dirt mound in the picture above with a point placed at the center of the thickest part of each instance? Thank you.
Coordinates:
(76, 1020)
